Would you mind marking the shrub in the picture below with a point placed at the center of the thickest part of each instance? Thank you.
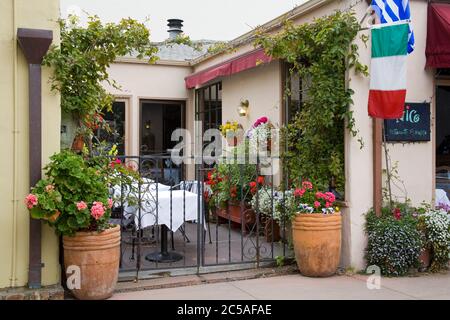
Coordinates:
(394, 242)
(435, 224)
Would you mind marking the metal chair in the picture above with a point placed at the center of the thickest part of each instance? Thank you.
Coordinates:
(191, 186)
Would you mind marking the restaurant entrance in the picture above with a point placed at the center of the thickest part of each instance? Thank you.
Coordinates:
(443, 144)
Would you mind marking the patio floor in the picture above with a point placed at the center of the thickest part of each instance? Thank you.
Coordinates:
(227, 246)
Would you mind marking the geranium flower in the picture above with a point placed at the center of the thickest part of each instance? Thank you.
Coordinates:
(81, 205)
(307, 185)
(31, 200)
(397, 214)
(97, 210)
(316, 204)
(330, 197)
(114, 163)
(260, 180)
(49, 188)
(299, 192)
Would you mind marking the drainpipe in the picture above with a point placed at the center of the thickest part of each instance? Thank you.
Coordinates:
(12, 279)
(34, 44)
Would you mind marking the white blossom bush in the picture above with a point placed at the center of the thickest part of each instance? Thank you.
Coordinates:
(394, 242)
(436, 226)
(276, 204)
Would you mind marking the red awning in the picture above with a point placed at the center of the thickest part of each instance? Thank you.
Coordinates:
(246, 61)
(438, 35)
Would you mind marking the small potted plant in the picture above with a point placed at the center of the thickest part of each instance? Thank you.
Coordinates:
(74, 199)
(259, 135)
(231, 130)
(316, 228)
(271, 203)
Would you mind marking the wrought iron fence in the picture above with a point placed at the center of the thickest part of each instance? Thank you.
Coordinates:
(168, 221)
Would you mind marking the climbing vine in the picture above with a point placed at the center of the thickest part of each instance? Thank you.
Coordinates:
(321, 52)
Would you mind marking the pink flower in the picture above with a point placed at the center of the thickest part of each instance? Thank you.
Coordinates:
(327, 204)
(330, 197)
(307, 185)
(97, 210)
(299, 192)
(320, 195)
(110, 203)
(31, 200)
(81, 205)
(397, 214)
(49, 188)
(316, 204)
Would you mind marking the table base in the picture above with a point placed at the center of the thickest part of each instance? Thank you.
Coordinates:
(164, 257)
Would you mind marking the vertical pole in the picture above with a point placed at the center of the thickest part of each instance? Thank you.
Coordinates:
(35, 167)
(377, 169)
(34, 44)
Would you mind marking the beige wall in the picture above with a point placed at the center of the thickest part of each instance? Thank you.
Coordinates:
(261, 86)
(415, 160)
(154, 82)
(14, 182)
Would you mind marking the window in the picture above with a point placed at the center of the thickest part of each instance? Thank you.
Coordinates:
(116, 122)
(295, 94)
(208, 108)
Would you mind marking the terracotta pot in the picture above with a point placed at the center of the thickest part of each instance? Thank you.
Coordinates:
(425, 259)
(271, 230)
(233, 212)
(78, 143)
(317, 243)
(97, 255)
(232, 141)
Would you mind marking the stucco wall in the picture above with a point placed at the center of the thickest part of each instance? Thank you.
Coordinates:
(415, 160)
(154, 82)
(14, 182)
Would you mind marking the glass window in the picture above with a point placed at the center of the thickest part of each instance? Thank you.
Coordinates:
(116, 122)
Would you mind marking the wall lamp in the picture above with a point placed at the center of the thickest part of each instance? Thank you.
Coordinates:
(243, 108)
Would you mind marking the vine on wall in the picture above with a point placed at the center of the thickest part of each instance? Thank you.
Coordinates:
(321, 52)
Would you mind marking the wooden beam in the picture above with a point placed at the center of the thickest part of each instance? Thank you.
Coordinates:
(377, 168)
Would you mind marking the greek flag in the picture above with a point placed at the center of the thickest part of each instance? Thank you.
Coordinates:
(394, 10)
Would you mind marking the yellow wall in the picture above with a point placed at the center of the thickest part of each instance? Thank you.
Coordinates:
(14, 181)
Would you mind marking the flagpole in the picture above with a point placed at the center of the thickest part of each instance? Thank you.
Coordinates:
(388, 171)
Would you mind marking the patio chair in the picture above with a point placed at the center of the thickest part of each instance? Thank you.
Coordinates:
(191, 186)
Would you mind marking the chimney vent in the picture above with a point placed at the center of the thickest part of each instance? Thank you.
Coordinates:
(175, 26)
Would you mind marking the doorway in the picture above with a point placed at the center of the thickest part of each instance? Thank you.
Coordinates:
(442, 144)
(158, 119)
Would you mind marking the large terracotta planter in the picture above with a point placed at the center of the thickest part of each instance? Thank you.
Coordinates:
(97, 255)
(317, 243)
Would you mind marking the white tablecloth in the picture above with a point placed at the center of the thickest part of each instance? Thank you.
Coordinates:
(174, 208)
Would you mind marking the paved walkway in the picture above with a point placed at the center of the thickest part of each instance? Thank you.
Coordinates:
(288, 287)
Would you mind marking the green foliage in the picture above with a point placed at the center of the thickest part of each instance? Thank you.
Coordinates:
(81, 61)
(435, 225)
(394, 241)
(72, 180)
(233, 179)
(321, 52)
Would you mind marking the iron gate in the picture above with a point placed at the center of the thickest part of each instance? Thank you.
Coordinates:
(167, 221)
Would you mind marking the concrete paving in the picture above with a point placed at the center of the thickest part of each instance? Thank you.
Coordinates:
(296, 287)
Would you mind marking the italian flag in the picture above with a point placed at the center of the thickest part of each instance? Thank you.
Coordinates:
(388, 71)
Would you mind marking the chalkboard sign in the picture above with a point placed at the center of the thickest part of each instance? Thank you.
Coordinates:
(414, 125)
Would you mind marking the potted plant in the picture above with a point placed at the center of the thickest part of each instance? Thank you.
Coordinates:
(271, 203)
(434, 225)
(74, 199)
(232, 187)
(231, 130)
(259, 135)
(316, 228)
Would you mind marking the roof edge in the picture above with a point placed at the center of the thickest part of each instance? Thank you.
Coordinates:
(268, 26)
(134, 60)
